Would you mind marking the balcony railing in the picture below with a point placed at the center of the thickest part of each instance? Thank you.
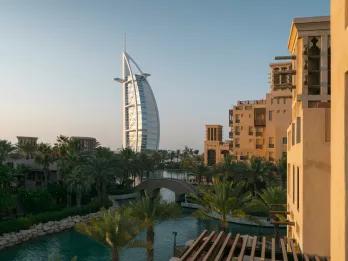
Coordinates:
(258, 134)
(237, 145)
(259, 146)
(237, 120)
(271, 146)
(237, 132)
(251, 133)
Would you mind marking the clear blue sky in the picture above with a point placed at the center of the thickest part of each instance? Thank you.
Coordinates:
(58, 59)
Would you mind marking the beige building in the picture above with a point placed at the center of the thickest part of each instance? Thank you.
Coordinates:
(258, 127)
(339, 127)
(25, 140)
(86, 143)
(308, 155)
(214, 148)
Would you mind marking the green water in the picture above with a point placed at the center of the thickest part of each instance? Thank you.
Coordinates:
(70, 243)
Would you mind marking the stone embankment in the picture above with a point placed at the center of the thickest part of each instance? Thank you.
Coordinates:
(41, 229)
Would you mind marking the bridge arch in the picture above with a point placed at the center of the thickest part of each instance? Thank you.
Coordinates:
(179, 187)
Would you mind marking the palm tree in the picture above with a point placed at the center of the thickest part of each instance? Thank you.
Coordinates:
(27, 150)
(5, 149)
(257, 174)
(78, 181)
(281, 170)
(44, 157)
(224, 199)
(128, 158)
(73, 165)
(115, 229)
(273, 197)
(149, 210)
(101, 166)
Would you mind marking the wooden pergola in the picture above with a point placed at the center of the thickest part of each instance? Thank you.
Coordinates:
(215, 246)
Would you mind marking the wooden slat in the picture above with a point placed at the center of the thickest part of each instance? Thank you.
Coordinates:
(230, 254)
(253, 248)
(213, 246)
(273, 249)
(199, 251)
(293, 250)
(222, 249)
(241, 254)
(306, 258)
(285, 255)
(263, 249)
(317, 258)
(188, 251)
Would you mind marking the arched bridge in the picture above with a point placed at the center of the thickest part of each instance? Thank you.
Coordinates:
(179, 187)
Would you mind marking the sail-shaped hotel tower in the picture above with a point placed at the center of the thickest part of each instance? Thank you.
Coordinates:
(140, 118)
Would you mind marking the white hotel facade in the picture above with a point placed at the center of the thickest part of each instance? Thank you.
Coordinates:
(140, 117)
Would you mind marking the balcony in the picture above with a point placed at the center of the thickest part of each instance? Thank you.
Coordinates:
(237, 120)
(237, 133)
(237, 145)
(259, 146)
(251, 133)
(271, 146)
(271, 159)
(259, 134)
(230, 134)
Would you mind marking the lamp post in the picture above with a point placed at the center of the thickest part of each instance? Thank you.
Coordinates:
(174, 243)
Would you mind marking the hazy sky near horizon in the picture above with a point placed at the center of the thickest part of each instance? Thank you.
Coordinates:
(58, 59)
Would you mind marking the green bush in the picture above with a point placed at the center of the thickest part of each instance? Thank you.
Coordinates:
(36, 201)
(117, 189)
(256, 208)
(27, 221)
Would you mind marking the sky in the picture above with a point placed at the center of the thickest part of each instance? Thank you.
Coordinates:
(58, 60)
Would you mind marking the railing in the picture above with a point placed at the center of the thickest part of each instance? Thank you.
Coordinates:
(271, 146)
(247, 102)
(258, 134)
(259, 146)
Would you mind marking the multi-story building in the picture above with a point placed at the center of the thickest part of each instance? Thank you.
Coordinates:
(140, 118)
(339, 130)
(308, 155)
(86, 143)
(25, 140)
(258, 127)
(214, 148)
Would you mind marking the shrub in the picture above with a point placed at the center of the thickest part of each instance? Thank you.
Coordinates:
(36, 201)
(117, 189)
(27, 221)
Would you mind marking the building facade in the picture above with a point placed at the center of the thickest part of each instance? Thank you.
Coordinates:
(339, 127)
(140, 117)
(214, 148)
(308, 155)
(86, 143)
(258, 127)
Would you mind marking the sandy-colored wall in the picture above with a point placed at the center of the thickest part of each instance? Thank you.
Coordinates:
(312, 157)
(339, 146)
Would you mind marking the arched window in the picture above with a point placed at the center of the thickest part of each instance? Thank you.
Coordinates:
(314, 67)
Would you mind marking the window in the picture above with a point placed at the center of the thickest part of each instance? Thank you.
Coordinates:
(284, 100)
(285, 140)
(314, 66)
(251, 133)
(298, 189)
(269, 115)
(292, 134)
(293, 184)
(298, 130)
(271, 142)
(289, 178)
(278, 100)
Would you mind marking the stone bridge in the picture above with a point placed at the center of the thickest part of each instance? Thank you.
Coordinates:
(179, 187)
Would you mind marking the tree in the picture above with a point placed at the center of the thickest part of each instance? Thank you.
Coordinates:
(5, 149)
(149, 210)
(27, 150)
(273, 197)
(78, 181)
(115, 229)
(282, 171)
(224, 199)
(102, 166)
(128, 158)
(44, 157)
(257, 174)
(73, 165)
